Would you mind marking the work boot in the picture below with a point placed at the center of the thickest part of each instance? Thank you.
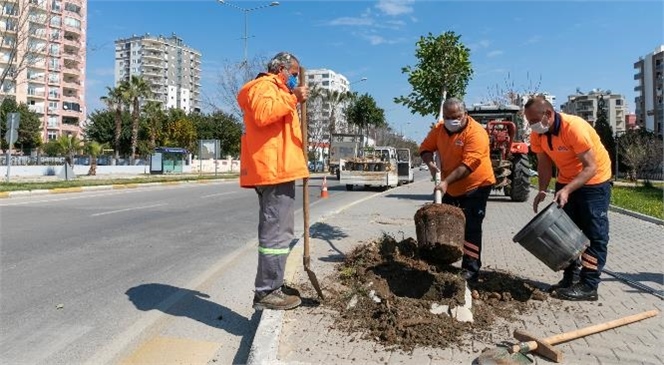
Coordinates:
(577, 292)
(276, 300)
(289, 290)
(566, 282)
(469, 276)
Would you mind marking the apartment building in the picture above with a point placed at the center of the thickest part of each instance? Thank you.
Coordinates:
(586, 105)
(649, 89)
(329, 80)
(47, 72)
(172, 69)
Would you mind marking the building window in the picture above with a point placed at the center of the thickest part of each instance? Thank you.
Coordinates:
(53, 92)
(71, 22)
(56, 21)
(57, 5)
(73, 8)
(618, 102)
(53, 121)
(326, 83)
(52, 135)
(326, 76)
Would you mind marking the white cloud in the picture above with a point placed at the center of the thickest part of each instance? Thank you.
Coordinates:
(533, 39)
(495, 53)
(395, 7)
(375, 39)
(351, 21)
(479, 45)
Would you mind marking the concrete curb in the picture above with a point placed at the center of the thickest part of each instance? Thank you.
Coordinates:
(78, 189)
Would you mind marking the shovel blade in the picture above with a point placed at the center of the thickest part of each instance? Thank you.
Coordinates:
(314, 282)
(502, 356)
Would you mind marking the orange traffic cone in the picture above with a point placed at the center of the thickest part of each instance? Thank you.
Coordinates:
(323, 189)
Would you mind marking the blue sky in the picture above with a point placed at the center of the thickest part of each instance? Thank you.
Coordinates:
(569, 44)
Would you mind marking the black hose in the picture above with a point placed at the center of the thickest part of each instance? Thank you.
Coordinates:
(635, 284)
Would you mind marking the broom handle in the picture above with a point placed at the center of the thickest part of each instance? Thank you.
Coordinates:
(581, 332)
(305, 182)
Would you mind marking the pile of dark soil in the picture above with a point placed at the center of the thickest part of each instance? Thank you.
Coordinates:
(386, 291)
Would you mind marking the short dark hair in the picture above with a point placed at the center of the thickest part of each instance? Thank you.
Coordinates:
(538, 101)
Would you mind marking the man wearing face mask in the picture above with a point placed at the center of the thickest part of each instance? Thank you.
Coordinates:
(583, 188)
(466, 176)
(271, 160)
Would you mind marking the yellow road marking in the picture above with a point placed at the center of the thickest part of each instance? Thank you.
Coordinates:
(65, 190)
(170, 351)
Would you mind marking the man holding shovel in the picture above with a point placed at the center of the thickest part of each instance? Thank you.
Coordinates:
(583, 188)
(271, 160)
(467, 174)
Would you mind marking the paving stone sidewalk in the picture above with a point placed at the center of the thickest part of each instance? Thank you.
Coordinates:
(635, 250)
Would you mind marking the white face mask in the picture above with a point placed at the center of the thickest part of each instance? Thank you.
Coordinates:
(453, 125)
(539, 128)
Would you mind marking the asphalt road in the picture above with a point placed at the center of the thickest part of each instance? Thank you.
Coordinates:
(94, 277)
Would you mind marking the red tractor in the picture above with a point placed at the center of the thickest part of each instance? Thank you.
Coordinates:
(509, 156)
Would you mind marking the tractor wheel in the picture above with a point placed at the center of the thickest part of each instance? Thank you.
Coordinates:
(520, 177)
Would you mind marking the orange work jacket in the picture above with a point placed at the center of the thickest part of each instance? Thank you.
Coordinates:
(469, 147)
(271, 146)
(569, 137)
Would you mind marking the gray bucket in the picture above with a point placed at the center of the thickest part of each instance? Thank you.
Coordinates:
(553, 238)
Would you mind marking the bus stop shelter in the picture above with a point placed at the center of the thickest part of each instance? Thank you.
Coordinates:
(168, 160)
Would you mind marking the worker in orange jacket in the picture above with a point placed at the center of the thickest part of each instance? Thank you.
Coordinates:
(583, 188)
(467, 175)
(271, 160)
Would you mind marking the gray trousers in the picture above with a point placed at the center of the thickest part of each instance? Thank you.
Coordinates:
(276, 225)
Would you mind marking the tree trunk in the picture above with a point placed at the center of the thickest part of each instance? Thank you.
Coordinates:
(93, 166)
(118, 132)
(134, 131)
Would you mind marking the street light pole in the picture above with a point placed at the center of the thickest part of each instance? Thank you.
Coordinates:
(246, 21)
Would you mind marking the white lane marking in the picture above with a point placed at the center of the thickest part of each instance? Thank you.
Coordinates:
(127, 209)
(85, 195)
(218, 194)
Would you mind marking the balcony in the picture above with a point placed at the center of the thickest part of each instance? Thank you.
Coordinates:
(637, 88)
(71, 56)
(36, 109)
(71, 41)
(152, 55)
(54, 81)
(152, 47)
(638, 76)
(36, 93)
(38, 78)
(71, 84)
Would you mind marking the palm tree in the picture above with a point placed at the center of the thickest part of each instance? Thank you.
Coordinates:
(132, 92)
(93, 149)
(155, 118)
(334, 99)
(68, 146)
(115, 102)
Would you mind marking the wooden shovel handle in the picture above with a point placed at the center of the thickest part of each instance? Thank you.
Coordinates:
(305, 182)
(581, 332)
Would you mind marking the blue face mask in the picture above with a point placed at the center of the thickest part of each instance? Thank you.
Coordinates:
(292, 82)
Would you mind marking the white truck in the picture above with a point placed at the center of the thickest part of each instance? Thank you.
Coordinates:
(377, 167)
(344, 147)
